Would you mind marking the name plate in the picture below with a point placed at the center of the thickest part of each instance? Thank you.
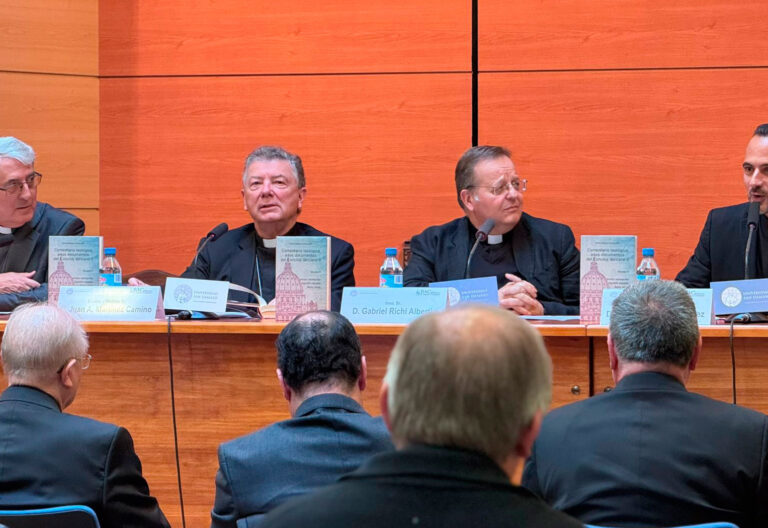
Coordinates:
(740, 296)
(609, 295)
(196, 295)
(702, 300)
(482, 290)
(391, 305)
(112, 303)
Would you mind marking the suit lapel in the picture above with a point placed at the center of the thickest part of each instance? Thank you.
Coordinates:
(523, 251)
(456, 245)
(243, 263)
(24, 240)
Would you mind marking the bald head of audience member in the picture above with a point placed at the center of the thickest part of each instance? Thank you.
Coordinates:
(477, 378)
(45, 347)
(319, 353)
(654, 328)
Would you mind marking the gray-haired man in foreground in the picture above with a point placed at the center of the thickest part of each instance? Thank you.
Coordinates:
(51, 458)
(463, 412)
(650, 453)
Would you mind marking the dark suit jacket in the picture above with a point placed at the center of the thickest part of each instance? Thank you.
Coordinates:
(719, 255)
(29, 250)
(422, 487)
(545, 254)
(330, 435)
(232, 258)
(649, 453)
(49, 458)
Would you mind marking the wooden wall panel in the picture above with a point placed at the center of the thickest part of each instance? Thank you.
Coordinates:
(58, 116)
(573, 34)
(54, 36)
(296, 36)
(378, 152)
(645, 153)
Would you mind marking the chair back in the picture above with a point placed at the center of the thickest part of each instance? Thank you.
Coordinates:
(58, 517)
(705, 525)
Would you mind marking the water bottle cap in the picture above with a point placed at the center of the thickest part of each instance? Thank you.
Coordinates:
(647, 252)
(390, 252)
(110, 251)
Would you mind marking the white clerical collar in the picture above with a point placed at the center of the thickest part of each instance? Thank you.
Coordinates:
(269, 242)
(5, 230)
(495, 239)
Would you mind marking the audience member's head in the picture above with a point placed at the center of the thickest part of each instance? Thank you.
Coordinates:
(654, 327)
(45, 347)
(319, 352)
(477, 378)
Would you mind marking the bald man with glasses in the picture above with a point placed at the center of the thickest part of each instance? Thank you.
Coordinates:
(25, 225)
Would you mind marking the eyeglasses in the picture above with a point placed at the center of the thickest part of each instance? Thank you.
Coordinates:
(84, 361)
(14, 187)
(504, 187)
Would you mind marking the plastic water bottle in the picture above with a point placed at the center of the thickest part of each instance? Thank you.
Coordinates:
(648, 269)
(391, 274)
(110, 273)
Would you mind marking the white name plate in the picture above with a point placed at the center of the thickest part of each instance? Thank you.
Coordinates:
(196, 295)
(702, 300)
(112, 303)
(391, 305)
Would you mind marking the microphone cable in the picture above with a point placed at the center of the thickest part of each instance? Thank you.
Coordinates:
(175, 428)
(741, 318)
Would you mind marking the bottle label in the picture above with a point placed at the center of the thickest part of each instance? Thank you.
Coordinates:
(391, 281)
(647, 277)
(111, 279)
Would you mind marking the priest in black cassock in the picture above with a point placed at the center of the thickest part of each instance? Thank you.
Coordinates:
(273, 192)
(535, 261)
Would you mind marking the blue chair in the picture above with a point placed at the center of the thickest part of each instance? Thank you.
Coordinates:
(705, 525)
(58, 517)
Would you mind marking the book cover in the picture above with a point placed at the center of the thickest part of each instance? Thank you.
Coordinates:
(72, 261)
(302, 276)
(607, 261)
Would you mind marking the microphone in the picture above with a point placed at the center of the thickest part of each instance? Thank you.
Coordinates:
(753, 214)
(480, 236)
(212, 235)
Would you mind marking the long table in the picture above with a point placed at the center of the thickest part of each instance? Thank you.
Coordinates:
(216, 380)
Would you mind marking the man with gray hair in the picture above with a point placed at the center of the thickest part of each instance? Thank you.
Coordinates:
(535, 261)
(25, 225)
(650, 453)
(273, 193)
(463, 412)
(51, 458)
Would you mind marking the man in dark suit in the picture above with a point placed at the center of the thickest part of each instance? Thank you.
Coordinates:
(463, 412)
(649, 453)
(535, 261)
(719, 255)
(273, 192)
(25, 225)
(50, 458)
(322, 374)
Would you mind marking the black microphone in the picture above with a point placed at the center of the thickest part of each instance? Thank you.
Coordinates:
(753, 216)
(212, 235)
(480, 236)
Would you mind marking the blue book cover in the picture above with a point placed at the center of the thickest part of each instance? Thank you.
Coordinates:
(72, 261)
(302, 276)
(607, 261)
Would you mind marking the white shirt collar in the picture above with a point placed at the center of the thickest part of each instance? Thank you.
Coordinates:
(495, 239)
(5, 230)
(269, 242)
